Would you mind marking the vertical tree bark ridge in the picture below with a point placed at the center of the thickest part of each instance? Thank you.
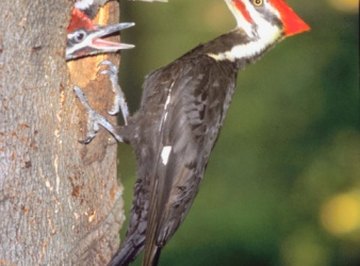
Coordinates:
(60, 203)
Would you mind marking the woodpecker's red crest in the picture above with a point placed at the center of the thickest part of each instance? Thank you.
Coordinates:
(293, 24)
(252, 14)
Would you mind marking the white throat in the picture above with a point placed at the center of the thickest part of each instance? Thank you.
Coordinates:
(261, 36)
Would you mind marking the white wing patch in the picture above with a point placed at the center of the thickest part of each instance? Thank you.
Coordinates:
(165, 154)
(166, 105)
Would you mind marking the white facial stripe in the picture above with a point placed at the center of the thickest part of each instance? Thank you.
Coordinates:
(272, 9)
(85, 43)
(71, 35)
(165, 154)
(83, 4)
(259, 20)
(254, 14)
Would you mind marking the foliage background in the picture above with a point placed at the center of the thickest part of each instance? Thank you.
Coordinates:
(283, 183)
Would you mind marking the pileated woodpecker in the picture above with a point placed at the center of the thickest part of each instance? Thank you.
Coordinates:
(85, 38)
(182, 111)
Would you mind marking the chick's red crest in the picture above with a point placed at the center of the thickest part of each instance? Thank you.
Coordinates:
(79, 21)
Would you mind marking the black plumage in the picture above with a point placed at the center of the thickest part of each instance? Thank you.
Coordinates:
(183, 108)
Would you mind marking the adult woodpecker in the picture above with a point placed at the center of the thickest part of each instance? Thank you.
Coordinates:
(181, 113)
(84, 38)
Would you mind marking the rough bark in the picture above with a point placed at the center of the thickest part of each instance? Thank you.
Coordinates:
(60, 203)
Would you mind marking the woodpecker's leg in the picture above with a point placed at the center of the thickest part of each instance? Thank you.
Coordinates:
(95, 120)
(119, 100)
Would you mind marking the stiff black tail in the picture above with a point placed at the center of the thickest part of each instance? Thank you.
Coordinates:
(152, 260)
(128, 251)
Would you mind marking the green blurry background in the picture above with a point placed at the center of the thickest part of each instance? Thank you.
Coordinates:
(283, 183)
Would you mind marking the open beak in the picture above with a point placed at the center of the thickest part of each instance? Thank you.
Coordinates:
(104, 46)
(92, 42)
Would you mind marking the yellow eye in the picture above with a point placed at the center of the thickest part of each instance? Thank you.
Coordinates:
(257, 2)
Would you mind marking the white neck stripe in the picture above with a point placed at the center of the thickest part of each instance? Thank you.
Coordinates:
(266, 35)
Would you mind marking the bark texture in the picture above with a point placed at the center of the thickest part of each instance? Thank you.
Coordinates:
(60, 203)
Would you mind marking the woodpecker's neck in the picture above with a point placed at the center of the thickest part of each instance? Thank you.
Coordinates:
(239, 46)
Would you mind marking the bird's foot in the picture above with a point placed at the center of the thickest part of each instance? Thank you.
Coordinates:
(119, 99)
(95, 120)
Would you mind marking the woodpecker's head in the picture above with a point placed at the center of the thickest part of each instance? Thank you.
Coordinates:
(261, 23)
(263, 17)
(84, 38)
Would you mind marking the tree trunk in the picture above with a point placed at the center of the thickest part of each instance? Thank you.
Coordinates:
(60, 203)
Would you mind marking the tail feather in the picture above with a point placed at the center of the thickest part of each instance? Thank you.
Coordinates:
(152, 249)
(128, 251)
(152, 258)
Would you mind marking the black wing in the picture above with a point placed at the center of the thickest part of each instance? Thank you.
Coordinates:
(184, 106)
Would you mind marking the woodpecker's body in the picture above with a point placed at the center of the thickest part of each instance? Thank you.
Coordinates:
(182, 111)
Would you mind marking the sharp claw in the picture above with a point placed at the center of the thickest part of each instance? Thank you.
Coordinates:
(104, 72)
(105, 62)
(110, 66)
(119, 100)
(111, 70)
(86, 140)
(115, 110)
(95, 120)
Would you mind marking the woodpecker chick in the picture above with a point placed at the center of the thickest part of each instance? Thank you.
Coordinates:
(85, 38)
